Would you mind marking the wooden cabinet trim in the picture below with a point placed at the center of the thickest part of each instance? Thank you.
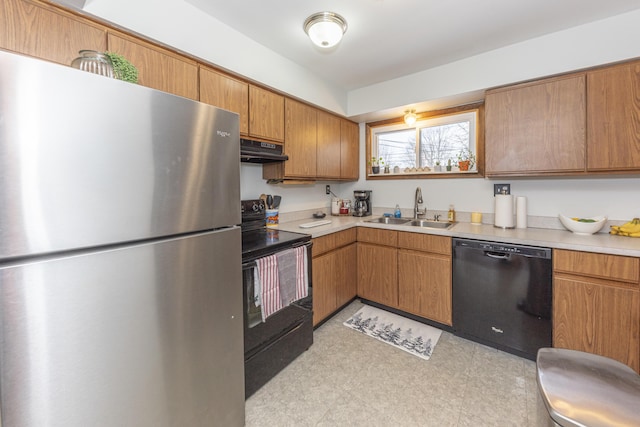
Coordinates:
(425, 242)
(333, 241)
(378, 236)
(603, 266)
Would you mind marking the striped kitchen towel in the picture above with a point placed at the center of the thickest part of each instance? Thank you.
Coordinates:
(269, 285)
(302, 276)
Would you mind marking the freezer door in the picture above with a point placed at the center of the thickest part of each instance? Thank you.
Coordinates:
(145, 335)
(86, 160)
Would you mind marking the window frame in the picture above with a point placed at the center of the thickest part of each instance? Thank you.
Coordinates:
(440, 117)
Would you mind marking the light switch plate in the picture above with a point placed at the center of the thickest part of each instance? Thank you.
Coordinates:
(497, 188)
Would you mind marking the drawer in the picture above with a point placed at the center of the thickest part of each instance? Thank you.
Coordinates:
(611, 267)
(425, 242)
(376, 235)
(333, 241)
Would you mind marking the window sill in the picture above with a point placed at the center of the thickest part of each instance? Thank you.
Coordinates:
(422, 174)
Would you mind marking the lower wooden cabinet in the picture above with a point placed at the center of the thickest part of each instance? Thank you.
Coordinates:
(424, 285)
(407, 271)
(334, 273)
(424, 276)
(596, 305)
(378, 273)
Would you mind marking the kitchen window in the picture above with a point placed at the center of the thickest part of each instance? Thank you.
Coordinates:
(428, 147)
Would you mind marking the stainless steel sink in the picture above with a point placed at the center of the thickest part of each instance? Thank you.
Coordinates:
(431, 224)
(389, 220)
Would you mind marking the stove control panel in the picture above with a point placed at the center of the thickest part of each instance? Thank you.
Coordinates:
(252, 210)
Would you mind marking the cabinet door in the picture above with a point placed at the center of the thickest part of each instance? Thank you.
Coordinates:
(424, 285)
(349, 150)
(43, 32)
(266, 114)
(300, 139)
(597, 318)
(613, 115)
(328, 146)
(225, 92)
(324, 286)
(536, 128)
(158, 68)
(346, 285)
(378, 274)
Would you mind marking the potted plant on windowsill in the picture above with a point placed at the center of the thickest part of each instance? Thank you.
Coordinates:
(375, 163)
(466, 160)
(448, 167)
(437, 167)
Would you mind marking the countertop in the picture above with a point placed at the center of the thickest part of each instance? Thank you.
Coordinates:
(558, 239)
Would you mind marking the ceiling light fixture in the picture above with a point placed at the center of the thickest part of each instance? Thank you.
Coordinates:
(410, 117)
(325, 29)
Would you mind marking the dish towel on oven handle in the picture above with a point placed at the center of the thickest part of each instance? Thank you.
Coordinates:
(294, 283)
(283, 279)
(269, 285)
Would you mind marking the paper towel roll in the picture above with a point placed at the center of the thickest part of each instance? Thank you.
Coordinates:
(521, 212)
(503, 211)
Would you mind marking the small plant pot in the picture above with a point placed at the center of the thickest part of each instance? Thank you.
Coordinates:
(437, 168)
(463, 165)
(448, 168)
(387, 170)
(375, 169)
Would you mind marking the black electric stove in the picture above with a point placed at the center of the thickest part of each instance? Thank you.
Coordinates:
(270, 345)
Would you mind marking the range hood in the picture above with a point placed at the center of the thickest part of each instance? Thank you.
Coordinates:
(261, 152)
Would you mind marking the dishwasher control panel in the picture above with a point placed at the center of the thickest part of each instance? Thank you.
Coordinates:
(532, 251)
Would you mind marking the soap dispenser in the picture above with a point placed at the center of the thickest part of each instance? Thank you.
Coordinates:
(397, 212)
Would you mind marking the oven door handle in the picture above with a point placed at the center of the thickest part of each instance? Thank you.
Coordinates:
(248, 265)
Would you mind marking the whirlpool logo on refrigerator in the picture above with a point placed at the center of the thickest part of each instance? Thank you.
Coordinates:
(223, 133)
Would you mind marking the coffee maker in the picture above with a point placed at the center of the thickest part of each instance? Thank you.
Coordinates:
(362, 204)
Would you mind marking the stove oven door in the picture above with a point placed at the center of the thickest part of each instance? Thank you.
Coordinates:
(258, 334)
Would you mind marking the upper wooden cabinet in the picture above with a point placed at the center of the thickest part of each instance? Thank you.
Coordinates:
(536, 128)
(158, 68)
(225, 92)
(266, 114)
(328, 145)
(613, 117)
(300, 139)
(349, 150)
(47, 33)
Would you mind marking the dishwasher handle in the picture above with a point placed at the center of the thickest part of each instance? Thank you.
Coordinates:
(497, 255)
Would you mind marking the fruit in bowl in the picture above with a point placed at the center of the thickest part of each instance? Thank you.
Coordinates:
(583, 226)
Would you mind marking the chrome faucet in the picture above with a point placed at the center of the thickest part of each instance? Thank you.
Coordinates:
(418, 201)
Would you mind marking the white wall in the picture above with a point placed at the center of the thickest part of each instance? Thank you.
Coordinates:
(618, 198)
(600, 42)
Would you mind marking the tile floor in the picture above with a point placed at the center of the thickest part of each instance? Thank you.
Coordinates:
(349, 379)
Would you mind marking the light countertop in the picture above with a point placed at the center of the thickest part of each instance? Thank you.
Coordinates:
(551, 238)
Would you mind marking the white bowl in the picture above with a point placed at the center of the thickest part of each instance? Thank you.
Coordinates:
(584, 228)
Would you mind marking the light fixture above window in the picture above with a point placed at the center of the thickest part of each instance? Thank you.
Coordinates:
(410, 118)
(325, 29)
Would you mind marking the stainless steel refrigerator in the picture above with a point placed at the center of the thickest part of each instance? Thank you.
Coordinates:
(120, 254)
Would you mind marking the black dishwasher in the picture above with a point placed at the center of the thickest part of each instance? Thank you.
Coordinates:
(502, 295)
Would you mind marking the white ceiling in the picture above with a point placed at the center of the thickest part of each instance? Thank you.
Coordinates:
(387, 39)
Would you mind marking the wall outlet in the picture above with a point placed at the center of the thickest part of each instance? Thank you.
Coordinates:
(498, 188)
(328, 189)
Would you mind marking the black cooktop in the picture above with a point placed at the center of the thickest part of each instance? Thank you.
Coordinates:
(259, 240)
(262, 242)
